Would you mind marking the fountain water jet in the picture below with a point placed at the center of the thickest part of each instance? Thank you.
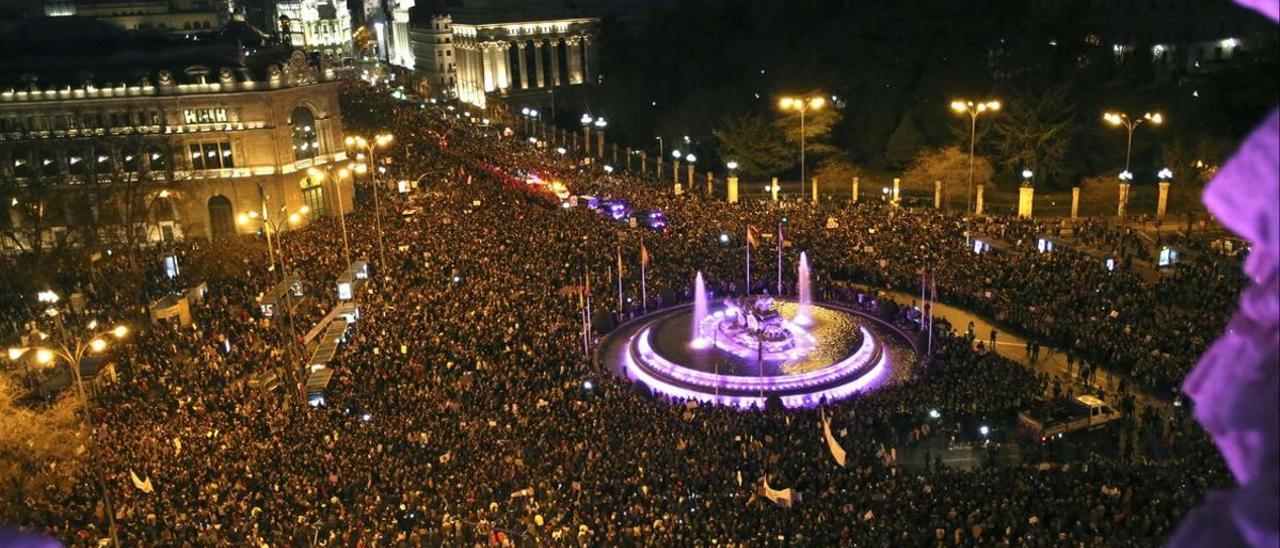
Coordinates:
(804, 316)
(699, 313)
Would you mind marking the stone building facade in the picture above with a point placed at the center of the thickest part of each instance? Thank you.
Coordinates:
(172, 155)
(517, 57)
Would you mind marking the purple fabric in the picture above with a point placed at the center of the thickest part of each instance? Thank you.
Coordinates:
(1270, 8)
(1236, 384)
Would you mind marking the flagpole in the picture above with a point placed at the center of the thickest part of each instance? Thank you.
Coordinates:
(779, 259)
(933, 302)
(923, 273)
(582, 314)
(587, 288)
(748, 289)
(620, 310)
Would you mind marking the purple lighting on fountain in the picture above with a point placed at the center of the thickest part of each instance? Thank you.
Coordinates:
(804, 316)
(696, 340)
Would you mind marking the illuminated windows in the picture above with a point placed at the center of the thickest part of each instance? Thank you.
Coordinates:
(210, 156)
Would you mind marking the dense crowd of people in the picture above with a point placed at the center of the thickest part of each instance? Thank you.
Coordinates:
(463, 410)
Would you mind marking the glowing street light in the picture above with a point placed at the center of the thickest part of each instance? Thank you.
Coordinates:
(802, 105)
(343, 173)
(72, 350)
(359, 143)
(1120, 119)
(963, 106)
(1165, 174)
(732, 165)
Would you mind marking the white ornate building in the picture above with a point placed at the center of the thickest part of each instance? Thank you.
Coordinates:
(514, 57)
(316, 25)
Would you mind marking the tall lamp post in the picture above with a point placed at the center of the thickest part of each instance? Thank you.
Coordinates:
(962, 106)
(270, 227)
(802, 105)
(337, 178)
(381, 140)
(72, 352)
(1120, 119)
(659, 138)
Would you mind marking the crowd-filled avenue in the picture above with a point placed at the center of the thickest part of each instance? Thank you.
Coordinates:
(464, 409)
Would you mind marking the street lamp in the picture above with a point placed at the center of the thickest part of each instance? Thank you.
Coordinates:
(72, 352)
(962, 106)
(659, 147)
(732, 165)
(1026, 177)
(1120, 119)
(271, 226)
(381, 140)
(802, 105)
(337, 186)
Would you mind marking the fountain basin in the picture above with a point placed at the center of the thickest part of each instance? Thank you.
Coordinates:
(842, 353)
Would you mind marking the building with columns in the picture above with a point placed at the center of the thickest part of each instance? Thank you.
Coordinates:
(399, 51)
(510, 58)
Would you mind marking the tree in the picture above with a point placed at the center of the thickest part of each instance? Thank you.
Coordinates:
(1034, 132)
(951, 166)
(757, 146)
(904, 143)
(817, 130)
(836, 172)
(42, 452)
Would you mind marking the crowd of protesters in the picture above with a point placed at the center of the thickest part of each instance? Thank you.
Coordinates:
(463, 410)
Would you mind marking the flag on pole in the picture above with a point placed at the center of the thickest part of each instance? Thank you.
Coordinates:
(621, 272)
(144, 486)
(837, 452)
(644, 255)
(753, 236)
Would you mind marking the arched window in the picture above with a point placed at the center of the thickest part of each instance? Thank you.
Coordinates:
(157, 160)
(50, 165)
(305, 142)
(104, 161)
(20, 161)
(129, 161)
(78, 161)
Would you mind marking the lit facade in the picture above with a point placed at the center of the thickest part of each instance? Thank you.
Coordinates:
(148, 15)
(173, 155)
(399, 49)
(433, 56)
(316, 25)
(513, 57)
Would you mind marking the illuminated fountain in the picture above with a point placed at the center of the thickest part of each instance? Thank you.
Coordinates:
(699, 313)
(741, 351)
(805, 315)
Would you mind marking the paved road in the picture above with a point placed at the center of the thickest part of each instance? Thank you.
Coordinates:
(1052, 360)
